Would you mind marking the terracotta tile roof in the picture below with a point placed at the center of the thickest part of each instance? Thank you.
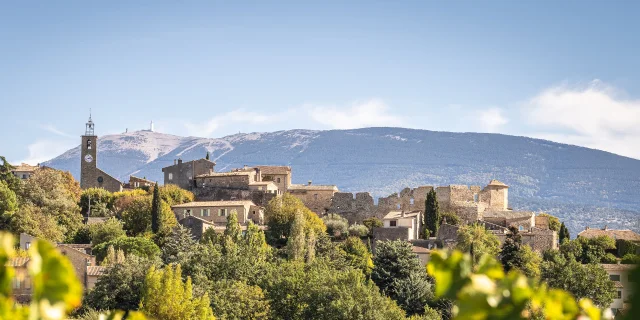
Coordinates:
(274, 169)
(313, 187)
(618, 267)
(24, 167)
(17, 262)
(96, 270)
(496, 183)
(197, 204)
(615, 234)
(397, 214)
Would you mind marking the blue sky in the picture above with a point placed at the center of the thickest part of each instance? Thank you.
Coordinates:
(567, 71)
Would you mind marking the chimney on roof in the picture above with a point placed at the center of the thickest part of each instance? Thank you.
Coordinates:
(605, 227)
(402, 214)
(309, 183)
(175, 161)
(179, 160)
(245, 167)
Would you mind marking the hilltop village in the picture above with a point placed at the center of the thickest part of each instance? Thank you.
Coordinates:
(245, 193)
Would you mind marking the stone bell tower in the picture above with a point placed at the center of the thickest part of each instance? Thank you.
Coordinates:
(89, 157)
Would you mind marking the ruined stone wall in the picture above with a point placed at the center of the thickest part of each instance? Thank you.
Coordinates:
(230, 181)
(447, 232)
(539, 240)
(318, 201)
(494, 198)
(260, 198)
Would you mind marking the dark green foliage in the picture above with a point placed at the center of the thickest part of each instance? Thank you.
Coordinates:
(138, 246)
(563, 233)
(7, 176)
(357, 255)
(121, 287)
(236, 300)
(82, 236)
(630, 259)
(101, 202)
(178, 246)
(155, 210)
(207, 157)
(371, 223)
(609, 258)
(625, 247)
(588, 250)
(412, 293)
(582, 280)
(432, 213)
(450, 218)
(106, 231)
(515, 255)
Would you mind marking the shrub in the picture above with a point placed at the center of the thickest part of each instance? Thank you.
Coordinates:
(337, 226)
(609, 258)
(358, 230)
(631, 259)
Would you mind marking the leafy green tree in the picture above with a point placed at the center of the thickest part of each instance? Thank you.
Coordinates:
(582, 280)
(280, 213)
(357, 255)
(477, 240)
(178, 247)
(413, 293)
(137, 217)
(431, 213)
(82, 235)
(155, 210)
(318, 291)
(296, 243)
(554, 222)
(138, 246)
(233, 226)
(371, 223)
(624, 247)
(166, 296)
(6, 175)
(33, 220)
(630, 259)
(101, 202)
(113, 257)
(106, 231)
(56, 193)
(588, 250)
(393, 260)
(563, 233)
(236, 300)
(8, 200)
(515, 255)
(172, 194)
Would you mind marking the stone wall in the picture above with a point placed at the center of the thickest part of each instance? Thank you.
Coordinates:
(447, 232)
(260, 198)
(318, 201)
(228, 181)
(182, 173)
(397, 233)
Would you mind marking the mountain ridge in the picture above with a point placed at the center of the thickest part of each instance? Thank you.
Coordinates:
(543, 175)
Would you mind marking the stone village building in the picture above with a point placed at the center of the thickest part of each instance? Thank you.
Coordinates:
(90, 175)
(84, 265)
(24, 171)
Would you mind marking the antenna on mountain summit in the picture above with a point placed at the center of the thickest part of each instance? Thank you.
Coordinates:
(151, 126)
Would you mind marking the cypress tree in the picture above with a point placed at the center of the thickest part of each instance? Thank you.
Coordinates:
(233, 227)
(296, 244)
(563, 233)
(155, 209)
(207, 155)
(431, 213)
(509, 256)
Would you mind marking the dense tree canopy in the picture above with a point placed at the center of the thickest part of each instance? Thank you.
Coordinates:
(477, 240)
(106, 231)
(138, 246)
(515, 255)
(280, 213)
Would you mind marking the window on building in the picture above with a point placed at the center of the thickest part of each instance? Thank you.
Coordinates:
(520, 228)
(278, 180)
(24, 176)
(614, 277)
(260, 188)
(170, 176)
(89, 144)
(619, 294)
(205, 213)
(188, 213)
(222, 212)
(393, 223)
(27, 245)
(411, 201)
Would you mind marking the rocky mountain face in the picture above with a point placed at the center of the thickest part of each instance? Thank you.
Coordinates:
(582, 186)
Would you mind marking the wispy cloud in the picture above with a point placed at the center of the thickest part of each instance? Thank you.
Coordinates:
(46, 149)
(595, 116)
(56, 131)
(492, 119)
(369, 113)
(228, 121)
